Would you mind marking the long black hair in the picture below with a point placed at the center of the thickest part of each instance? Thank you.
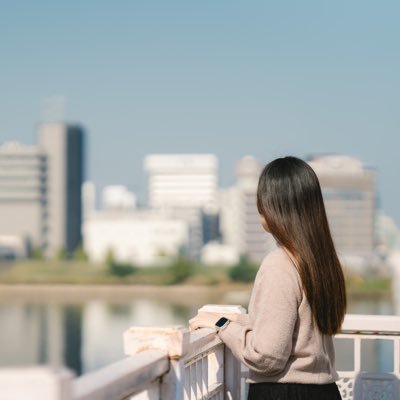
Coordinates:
(290, 200)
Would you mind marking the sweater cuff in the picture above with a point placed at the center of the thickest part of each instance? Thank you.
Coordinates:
(232, 333)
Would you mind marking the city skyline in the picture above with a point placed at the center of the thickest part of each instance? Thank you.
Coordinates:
(40, 192)
(229, 79)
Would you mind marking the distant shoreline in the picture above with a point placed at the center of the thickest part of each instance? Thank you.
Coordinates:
(70, 293)
(183, 294)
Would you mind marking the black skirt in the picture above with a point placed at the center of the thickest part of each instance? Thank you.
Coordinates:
(292, 391)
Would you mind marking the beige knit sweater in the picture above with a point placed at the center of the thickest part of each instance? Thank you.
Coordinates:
(278, 339)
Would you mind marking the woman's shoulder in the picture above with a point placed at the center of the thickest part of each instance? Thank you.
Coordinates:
(278, 258)
(279, 263)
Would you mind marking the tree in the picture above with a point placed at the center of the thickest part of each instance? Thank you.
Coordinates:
(110, 256)
(80, 254)
(121, 269)
(243, 271)
(117, 268)
(180, 270)
(61, 254)
(37, 253)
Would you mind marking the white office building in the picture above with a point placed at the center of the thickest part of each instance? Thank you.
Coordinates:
(182, 180)
(88, 198)
(142, 237)
(187, 186)
(118, 197)
(219, 254)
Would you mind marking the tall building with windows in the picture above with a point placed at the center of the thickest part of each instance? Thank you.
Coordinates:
(23, 199)
(182, 180)
(40, 191)
(240, 221)
(348, 188)
(63, 145)
(186, 185)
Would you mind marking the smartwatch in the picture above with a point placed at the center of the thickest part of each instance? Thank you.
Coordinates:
(222, 323)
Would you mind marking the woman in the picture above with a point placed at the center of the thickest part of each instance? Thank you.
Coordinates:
(298, 300)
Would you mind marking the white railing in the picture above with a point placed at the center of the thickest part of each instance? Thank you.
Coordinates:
(364, 329)
(124, 378)
(175, 364)
(201, 366)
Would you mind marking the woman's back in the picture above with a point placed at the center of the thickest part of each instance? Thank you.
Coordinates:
(298, 302)
(278, 339)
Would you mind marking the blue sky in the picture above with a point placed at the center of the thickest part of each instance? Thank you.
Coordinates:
(228, 77)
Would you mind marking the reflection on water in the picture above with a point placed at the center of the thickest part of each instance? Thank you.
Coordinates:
(85, 336)
(82, 336)
(103, 325)
(73, 337)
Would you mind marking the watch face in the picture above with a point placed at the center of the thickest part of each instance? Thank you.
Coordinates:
(221, 322)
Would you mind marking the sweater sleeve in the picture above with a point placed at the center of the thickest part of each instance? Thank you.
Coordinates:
(263, 341)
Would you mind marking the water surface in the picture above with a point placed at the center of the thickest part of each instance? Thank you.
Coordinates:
(82, 327)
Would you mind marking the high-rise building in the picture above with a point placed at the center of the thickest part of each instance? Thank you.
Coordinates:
(182, 180)
(40, 190)
(23, 198)
(186, 186)
(240, 221)
(348, 188)
(64, 146)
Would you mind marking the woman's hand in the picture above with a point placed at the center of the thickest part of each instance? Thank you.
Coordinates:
(203, 320)
(207, 320)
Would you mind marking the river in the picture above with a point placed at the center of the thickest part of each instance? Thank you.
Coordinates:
(82, 327)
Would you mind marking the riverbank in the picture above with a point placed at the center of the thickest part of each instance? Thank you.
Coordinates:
(81, 278)
(73, 294)
(183, 294)
(86, 273)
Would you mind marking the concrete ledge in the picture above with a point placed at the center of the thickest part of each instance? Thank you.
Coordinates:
(174, 340)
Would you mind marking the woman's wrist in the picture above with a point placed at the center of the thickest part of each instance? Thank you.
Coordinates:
(222, 323)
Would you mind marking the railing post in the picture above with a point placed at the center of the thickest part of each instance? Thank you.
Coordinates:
(173, 383)
(175, 342)
(35, 383)
(232, 367)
